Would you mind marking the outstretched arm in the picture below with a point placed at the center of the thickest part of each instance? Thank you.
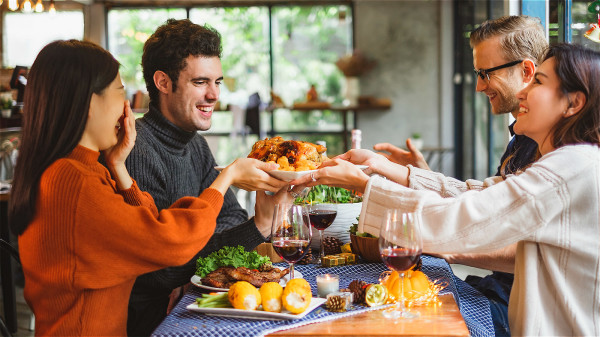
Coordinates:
(397, 155)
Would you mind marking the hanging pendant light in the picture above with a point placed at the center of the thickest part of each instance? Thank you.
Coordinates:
(27, 8)
(13, 5)
(39, 7)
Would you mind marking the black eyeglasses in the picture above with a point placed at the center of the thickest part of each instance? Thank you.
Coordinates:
(485, 73)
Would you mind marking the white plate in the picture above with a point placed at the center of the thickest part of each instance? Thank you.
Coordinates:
(289, 175)
(197, 281)
(257, 314)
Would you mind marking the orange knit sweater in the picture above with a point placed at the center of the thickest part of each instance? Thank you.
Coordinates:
(88, 242)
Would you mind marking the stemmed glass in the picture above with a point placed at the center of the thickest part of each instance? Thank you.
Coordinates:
(290, 233)
(321, 216)
(400, 247)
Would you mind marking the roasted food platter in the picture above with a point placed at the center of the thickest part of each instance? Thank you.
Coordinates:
(197, 281)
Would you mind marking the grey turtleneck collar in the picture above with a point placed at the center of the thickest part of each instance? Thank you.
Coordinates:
(165, 131)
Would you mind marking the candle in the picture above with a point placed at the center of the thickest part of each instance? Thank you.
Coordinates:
(327, 284)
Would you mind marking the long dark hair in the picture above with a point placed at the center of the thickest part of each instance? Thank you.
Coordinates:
(59, 88)
(578, 69)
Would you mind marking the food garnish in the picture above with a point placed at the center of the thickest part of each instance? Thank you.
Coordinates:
(230, 256)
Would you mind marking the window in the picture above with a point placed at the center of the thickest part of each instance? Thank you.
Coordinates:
(128, 30)
(25, 34)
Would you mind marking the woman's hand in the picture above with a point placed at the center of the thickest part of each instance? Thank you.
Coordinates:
(337, 172)
(248, 174)
(265, 205)
(116, 155)
(397, 155)
(363, 157)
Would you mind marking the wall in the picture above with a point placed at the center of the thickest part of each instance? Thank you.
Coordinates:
(408, 40)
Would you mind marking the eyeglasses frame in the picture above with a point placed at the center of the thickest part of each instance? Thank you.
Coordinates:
(485, 73)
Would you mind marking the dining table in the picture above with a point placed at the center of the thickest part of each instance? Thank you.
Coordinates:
(460, 310)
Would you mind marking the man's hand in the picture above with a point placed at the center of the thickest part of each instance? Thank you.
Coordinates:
(397, 155)
(265, 204)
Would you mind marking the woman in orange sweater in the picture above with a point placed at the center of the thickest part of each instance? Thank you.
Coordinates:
(84, 237)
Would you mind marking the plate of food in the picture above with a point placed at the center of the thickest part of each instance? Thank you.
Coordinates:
(290, 175)
(257, 314)
(221, 279)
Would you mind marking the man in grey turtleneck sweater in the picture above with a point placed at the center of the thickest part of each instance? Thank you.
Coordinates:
(182, 69)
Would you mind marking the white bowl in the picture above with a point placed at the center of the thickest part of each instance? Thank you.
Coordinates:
(346, 216)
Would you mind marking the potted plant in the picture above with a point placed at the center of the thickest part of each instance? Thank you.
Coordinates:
(6, 103)
(416, 140)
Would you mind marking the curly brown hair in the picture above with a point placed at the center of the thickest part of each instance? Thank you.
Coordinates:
(167, 49)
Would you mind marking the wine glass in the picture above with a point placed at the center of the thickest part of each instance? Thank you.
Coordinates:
(290, 233)
(400, 247)
(321, 216)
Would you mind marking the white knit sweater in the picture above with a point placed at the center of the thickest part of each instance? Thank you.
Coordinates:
(552, 209)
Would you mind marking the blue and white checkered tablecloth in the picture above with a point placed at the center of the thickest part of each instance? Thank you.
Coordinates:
(473, 306)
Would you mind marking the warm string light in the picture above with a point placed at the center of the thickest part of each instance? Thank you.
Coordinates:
(39, 7)
(13, 5)
(28, 7)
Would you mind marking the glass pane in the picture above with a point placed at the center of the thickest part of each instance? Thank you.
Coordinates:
(128, 29)
(245, 39)
(25, 34)
(581, 20)
(307, 41)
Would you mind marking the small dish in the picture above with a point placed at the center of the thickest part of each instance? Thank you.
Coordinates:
(257, 314)
(197, 281)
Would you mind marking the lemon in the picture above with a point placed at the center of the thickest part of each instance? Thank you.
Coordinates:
(243, 295)
(376, 294)
(271, 292)
(296, 295)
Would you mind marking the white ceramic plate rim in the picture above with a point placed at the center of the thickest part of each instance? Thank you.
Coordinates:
(289, 175)
(256, 314)
(197, 281)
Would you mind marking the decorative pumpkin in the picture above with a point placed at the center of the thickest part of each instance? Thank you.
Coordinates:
(271, 292)
(243, 295)
(296, 296)
(416, 284)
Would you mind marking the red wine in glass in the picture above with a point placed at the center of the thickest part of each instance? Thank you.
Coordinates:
(291, 250)
(322, 218)
(400, 259)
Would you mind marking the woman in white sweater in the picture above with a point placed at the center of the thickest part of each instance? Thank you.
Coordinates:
(551, 209)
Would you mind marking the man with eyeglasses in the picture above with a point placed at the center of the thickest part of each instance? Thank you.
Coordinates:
(505, 54)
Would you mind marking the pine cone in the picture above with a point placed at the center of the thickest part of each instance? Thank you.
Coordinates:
(332, 245)
(358, 288)
(307, 259)
(336, 304)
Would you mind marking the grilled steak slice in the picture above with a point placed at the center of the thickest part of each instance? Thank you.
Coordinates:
(219, 278)
(257, 278)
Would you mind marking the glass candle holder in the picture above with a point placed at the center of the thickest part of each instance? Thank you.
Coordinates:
(327, 284)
